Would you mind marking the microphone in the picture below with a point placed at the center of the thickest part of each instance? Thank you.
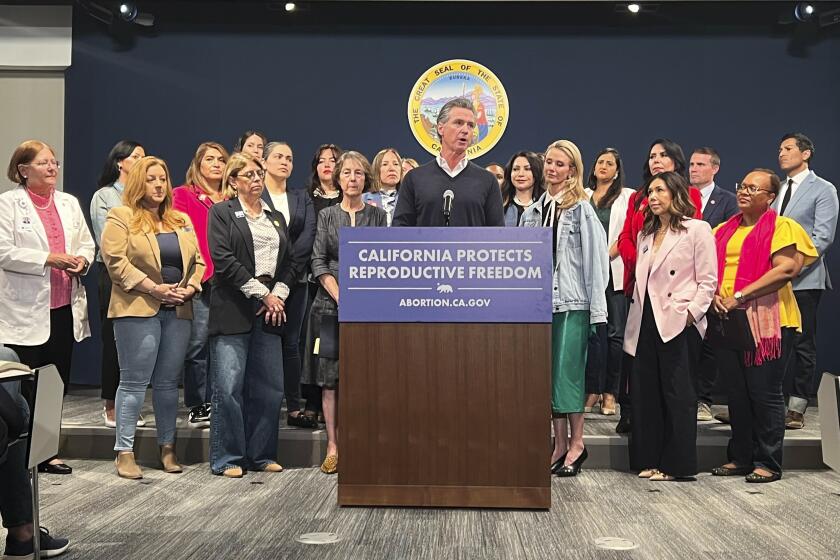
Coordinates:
(448, 196)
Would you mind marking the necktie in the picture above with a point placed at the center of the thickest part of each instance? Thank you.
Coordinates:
(786, 199)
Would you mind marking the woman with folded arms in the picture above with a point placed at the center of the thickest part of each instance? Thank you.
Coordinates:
(296, 207)
(353, 176)
(609, 198)
(45, 248)
(387, 174)
(152, 255)
(250, 249)
(581, 271)
(522, 185)
(664, 155)
(121, 158)
(202, 190)
(759, 253)
(676, 279)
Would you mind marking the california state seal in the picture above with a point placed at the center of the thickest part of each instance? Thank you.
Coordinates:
(459, 78)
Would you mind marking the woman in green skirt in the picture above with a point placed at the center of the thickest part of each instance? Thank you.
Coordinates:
(581, 273)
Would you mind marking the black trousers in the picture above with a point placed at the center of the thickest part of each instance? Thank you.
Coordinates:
(801, 371)
(706, 374)
(311, 393)
(605, 355)
(295, 308)
(664, 428)
(110, 365)
(756, 406)
(57, 350)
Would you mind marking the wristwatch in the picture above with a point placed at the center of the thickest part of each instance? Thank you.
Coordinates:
(739, 297)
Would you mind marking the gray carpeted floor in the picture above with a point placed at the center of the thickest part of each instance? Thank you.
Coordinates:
(198, 516)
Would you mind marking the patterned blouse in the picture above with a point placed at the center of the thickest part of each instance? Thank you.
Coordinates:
(266, 248)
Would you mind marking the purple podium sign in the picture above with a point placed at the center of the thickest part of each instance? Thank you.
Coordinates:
(445, 275)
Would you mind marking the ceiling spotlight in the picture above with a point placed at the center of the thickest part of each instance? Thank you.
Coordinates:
(803, 11)
(128, 11)
(633, 8)
(290, 6)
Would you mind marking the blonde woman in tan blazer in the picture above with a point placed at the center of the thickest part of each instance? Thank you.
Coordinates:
(152, 256)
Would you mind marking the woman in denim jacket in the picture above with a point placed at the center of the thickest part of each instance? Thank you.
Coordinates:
(581, 272)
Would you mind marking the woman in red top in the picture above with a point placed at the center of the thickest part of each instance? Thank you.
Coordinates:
(203, 188)
(663, 155)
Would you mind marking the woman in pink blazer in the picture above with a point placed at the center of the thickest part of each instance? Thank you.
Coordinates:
(676, 280)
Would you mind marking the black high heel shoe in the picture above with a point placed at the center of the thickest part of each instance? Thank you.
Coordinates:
(558, 464)
(574, 468)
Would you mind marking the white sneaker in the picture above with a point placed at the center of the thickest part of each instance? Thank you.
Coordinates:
(141, 422)
(108, 423)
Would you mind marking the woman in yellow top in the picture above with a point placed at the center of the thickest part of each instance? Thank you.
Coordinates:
(759, 253)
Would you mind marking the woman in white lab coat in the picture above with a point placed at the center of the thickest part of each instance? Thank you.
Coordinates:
(45, 246)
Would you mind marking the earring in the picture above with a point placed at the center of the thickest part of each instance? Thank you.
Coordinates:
(615, 176)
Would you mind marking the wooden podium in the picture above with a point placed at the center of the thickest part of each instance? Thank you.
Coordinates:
(444, 414)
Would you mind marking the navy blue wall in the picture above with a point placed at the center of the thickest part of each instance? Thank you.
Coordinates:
(310, 85)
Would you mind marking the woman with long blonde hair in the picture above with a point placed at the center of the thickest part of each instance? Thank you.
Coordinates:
(152, 256)
(578, 293)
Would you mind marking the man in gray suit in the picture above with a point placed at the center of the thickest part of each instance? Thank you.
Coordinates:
(718, 206)
(811, 201)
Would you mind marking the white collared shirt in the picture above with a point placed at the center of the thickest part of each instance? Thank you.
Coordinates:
(797, 180)
(458, 168)
(706, 194)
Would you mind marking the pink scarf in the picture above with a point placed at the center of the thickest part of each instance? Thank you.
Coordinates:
(755, 260)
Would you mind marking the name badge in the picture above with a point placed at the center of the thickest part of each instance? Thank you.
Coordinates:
(239, 214)
(25, 224)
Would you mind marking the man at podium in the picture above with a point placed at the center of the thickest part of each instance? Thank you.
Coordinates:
(450, 190)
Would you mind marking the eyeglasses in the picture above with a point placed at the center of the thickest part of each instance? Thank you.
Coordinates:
(751, 189)
(251, 175)
(46, 163)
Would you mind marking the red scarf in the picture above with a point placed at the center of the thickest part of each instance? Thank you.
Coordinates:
(753, 263)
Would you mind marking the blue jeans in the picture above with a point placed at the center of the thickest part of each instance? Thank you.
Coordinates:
(247, 377)
(197, 389)
(150, 349)
(15, 489)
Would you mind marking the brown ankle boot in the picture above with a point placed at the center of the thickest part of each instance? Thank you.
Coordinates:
(127, 467)
(608, 405)
(169, 460)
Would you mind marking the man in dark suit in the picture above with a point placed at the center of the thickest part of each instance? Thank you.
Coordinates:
(718, 206)
(812, 201)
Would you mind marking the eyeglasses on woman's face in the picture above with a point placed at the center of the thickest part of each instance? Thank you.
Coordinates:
(252, 175)
(751, 189)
